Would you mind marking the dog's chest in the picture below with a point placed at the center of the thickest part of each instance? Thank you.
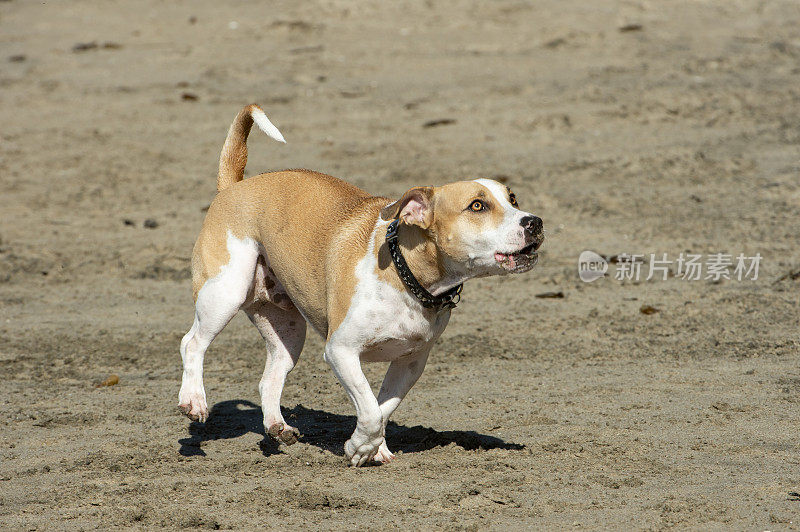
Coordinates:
(392, 325)
(385, 323)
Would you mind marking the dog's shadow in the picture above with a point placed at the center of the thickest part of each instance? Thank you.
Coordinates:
(232, 419)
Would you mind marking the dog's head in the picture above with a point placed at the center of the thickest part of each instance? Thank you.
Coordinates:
(477, 226)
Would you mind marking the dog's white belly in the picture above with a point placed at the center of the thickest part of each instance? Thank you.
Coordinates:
(265, 286)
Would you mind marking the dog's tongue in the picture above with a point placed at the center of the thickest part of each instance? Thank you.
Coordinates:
(506, 260)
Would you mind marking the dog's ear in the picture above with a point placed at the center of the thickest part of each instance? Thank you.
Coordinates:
(414, 208)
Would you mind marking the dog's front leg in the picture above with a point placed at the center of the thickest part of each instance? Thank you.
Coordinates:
(368, 436)
(400, 377)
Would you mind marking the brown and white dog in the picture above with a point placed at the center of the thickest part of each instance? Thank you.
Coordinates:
(299, 246)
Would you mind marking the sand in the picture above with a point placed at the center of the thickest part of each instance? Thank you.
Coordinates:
(629, 127)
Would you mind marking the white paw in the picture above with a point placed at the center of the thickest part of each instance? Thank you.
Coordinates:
(193, 405)
(361, 450)
(384, 455)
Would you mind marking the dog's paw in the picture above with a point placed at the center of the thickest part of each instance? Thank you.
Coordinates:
(284, 433)
(361, 452)
(195, 408)
(384, 455)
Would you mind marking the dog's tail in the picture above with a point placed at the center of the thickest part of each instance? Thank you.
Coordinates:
(234, 153)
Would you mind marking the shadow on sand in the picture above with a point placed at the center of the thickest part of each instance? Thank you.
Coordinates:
(232, 419)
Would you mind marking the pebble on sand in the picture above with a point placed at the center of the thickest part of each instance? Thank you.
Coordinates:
(111, 380)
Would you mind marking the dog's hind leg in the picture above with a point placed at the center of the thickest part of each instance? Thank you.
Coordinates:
(218, 300)
(284, 333)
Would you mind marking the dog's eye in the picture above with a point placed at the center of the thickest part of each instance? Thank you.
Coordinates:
(513, 200)
(477, 206)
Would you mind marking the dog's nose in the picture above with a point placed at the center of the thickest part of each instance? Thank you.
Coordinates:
(532, 225)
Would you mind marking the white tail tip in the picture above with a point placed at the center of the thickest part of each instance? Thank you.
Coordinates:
(266, 126)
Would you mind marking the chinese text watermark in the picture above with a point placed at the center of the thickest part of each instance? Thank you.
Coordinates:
(686, 267)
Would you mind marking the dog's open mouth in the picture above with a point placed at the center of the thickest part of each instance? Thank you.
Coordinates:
(519, 261)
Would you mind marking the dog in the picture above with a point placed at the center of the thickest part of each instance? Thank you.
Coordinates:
(376, 277)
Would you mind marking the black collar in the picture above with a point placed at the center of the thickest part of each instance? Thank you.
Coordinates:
(447, 300)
